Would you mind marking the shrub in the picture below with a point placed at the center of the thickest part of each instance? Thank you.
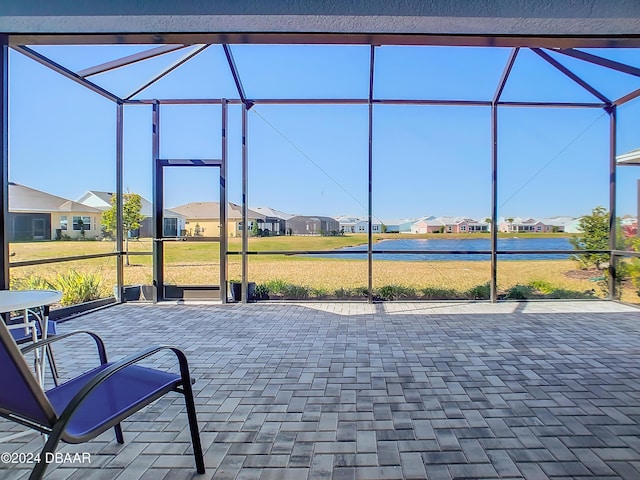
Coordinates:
(288, 290)
(620, 274)
(78, 287)
(542, 286)
(479, 292)
(31, 282)
(633, 270)
(594, 235)
(319, 292)
(360, 292)
(519, 292)
(296, 291)
(262, 292)
(436, 293)
(277, 286)
(571, 294)
(396, 292)
(342, 293)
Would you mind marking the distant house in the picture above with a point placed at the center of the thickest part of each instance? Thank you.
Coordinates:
(348, 224)
(449, 225)
(404, 226)
(174, 223)
(428, 225)
(558, 224)
(391, 225)
(37, 215)
(361, 225)
(308, 225)
(275, 221)
(203, 218)
(521, 225)
(572, 226)
(469, 225)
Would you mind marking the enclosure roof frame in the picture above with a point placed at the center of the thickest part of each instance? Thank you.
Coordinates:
(542, 47)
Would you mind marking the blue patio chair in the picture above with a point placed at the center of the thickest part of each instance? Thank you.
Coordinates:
(86, 406)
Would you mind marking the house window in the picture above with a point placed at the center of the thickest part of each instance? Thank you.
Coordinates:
(82, 223)
(170, 227)
(463, 228)
(63, 222)
(539, 228)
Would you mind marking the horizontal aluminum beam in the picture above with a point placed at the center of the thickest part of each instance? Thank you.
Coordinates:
(364, 101)
(418, 252)
(43, 261)
(187, 239)
(553, 104)
(179, 101)
(449, 40)
(187, 162)
(625, 253)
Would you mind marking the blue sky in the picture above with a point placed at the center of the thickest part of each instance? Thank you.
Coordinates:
(313, 159)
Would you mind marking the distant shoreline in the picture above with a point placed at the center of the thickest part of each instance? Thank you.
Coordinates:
(469, 236)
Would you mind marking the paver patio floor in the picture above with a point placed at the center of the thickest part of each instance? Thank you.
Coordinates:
(383, 391)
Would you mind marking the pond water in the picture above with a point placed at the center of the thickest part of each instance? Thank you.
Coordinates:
(459, 244)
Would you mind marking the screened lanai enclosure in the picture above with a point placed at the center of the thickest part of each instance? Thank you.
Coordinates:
(349, 172)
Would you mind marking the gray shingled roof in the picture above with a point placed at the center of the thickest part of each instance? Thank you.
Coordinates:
(272, 212)
(26, 199)
(146, 210)
(209, 210)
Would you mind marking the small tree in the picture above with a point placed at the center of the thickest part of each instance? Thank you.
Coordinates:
(594, 236)
(131, 216)
(255, 230)
(81, 225)
(384, 228)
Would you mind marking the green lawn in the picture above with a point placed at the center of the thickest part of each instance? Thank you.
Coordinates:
(198, 263)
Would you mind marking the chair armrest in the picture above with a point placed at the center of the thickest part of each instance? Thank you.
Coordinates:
(102, 352)
(84, 392)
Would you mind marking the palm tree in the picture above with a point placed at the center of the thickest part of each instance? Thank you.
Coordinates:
(510, 220)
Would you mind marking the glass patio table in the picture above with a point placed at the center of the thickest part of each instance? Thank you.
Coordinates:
(36, 302)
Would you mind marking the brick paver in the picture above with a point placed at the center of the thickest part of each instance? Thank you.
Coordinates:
(383, 391)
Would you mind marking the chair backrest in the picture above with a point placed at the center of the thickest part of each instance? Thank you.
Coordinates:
(20, 394)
